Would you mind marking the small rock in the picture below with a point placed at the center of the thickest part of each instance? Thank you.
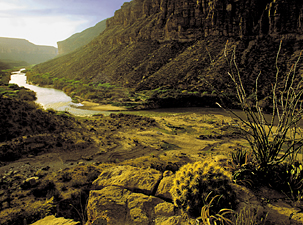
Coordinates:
(164, 209)
(18, 176)
(9, 173)
(30, 182)
(87, 158)
(5, 205)
(81, 163)
(163, 190)
(102, 151)
(30, 156)
(40, 173)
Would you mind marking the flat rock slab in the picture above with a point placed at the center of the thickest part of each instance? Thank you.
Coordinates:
(129, 177)
(52, 220)
(163, 190)
(121, 206)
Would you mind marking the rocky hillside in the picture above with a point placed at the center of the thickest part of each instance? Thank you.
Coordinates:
(22, 50)
(80, 39)
(26, 129)
(175, 49)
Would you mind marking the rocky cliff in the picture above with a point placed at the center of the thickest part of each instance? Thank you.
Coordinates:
(169, 48)
(80, 39)
(22, 50)
(187, 20)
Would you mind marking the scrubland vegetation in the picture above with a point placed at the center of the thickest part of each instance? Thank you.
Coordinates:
(259, 152)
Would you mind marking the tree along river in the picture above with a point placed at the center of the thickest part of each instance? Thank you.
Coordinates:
(52, 98)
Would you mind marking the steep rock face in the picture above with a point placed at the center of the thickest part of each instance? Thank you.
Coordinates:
(178, 46)
(187, 20)
(22, 50)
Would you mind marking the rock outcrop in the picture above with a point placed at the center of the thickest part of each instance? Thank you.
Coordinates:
(52, 220)
(130, 178)
(188, 20)
(126, 195)
(128, 202)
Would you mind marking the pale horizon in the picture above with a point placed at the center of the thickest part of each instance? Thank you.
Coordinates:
(44, 22)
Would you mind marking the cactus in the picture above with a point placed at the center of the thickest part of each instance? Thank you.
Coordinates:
(194, 182)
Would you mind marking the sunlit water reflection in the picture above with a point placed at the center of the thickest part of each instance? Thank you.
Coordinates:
(52, 98)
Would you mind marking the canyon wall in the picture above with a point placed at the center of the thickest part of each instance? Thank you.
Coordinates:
(180, 45)
(186, 20)
(13, 49)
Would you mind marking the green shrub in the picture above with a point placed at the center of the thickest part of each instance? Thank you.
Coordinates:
(286, 178)
(194, 182)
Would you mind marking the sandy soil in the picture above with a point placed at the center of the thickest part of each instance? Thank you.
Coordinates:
(98, 107)
(157, 142)
(126, 139)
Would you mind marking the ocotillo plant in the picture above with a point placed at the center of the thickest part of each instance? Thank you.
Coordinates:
(268, 138)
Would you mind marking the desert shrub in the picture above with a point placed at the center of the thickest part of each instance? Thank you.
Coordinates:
(13, 86)
(243, 167)
(249, 216)
(286, 178)
(220, 218)
(194, 182)
(275, 139)
(26, 95)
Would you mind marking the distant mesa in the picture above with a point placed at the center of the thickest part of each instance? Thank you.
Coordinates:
(80, 39)
(14, 49)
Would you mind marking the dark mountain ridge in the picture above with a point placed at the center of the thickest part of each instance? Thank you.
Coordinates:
(164, 49)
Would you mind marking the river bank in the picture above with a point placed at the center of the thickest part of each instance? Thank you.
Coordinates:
(99, 107)
(50, 98)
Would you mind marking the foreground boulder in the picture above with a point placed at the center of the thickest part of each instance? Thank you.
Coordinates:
(126, 195)
(130, 195)
(131, 178)
(52, 220)
(121, 206)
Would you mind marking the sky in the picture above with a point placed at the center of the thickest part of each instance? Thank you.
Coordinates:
(45, 22)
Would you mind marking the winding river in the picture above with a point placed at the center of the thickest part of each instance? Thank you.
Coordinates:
(58, 100)
(52, 98)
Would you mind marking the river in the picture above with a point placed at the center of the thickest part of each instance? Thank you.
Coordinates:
(52, 98)
(58, 100)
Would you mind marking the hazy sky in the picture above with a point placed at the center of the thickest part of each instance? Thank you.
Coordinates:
(44, 22)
